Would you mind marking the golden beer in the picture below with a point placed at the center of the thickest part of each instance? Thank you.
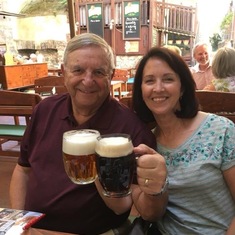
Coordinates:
(79, 155)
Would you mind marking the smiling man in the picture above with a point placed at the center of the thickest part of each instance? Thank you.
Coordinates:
(202, 72)
(39, 181)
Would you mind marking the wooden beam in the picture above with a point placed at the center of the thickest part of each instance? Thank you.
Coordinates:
(71, 14)
(113, 30)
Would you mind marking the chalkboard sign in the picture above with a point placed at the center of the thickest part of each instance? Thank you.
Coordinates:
(131, 29)
(95, 19)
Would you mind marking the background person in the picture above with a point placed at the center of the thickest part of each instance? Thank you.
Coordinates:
(39, 181)
(18, 59)
(223, 69)
(32, 59)
(198, 147)
(8, 56)
(174, 48)
(202, 72)
(40, 57)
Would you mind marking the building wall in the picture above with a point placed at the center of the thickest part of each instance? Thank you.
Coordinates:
(33, 33)
(41, 28)
(48, 34)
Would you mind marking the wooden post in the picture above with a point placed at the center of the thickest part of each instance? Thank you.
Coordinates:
(113, 30)
(72, 25)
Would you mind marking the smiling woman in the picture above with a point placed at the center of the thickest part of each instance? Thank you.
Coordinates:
(164, 91)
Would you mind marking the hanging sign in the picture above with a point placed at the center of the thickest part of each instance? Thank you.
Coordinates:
(131, 29)
(95, 19)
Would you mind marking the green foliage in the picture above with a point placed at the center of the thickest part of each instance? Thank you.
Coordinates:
(44, 7)
(214, 40)
(227, 21)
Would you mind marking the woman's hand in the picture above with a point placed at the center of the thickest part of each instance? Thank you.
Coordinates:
(151, 169)
(151, 177)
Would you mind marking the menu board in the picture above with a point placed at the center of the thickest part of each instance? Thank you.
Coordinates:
(131, 29)
(95, 19)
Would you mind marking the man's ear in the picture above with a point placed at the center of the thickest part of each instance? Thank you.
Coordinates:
(62, 68)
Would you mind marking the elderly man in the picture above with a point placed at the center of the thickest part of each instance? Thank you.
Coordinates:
(202, 72)
(39, 180)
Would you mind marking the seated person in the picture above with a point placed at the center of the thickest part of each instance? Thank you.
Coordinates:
(32, 59)
(198, 147)
(223, 69)
(174, 48)
(39, 181)
(202, 72)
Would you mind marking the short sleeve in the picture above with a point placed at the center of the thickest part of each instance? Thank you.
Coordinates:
(228, 158)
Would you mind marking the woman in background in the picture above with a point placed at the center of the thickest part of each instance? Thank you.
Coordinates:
(174, 48)
(223, 69)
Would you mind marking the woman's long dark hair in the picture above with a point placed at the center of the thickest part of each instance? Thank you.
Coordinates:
(188, 101)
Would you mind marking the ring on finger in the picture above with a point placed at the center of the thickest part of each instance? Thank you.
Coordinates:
(146, 182)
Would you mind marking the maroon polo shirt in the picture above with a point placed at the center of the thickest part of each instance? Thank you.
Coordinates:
(69, 207)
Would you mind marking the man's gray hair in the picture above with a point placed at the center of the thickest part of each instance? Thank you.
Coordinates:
(87, 40)
(202, 44)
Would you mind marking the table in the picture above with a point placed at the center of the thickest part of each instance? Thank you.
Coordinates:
(116, 85)
(35, 231)
(130, 82)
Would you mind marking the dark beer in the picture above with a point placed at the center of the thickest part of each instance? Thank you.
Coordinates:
(115, 164)
(79, 155)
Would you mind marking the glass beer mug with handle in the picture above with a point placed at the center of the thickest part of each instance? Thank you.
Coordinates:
(115, 164)
(79, 155)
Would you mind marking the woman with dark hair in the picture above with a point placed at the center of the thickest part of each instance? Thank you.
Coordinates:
(188, 100)
(198, 147)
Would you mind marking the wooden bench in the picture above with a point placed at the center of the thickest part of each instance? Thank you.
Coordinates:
(15, 104)
(221, 103)
(49, 85)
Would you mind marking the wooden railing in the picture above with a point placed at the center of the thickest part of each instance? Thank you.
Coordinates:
(175, 18)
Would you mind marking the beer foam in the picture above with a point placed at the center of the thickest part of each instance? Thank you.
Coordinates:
(81, 143)
(114, 147)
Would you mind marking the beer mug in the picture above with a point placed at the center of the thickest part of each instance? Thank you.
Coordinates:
(115, 164)
(79, 155)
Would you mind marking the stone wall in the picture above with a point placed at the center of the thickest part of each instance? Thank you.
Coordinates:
(51, 50)
(25, 35)
(127, 61)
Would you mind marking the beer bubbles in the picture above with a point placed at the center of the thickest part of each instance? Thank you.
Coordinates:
(79, 155)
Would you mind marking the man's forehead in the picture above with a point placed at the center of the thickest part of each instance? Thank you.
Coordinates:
(201, 48)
